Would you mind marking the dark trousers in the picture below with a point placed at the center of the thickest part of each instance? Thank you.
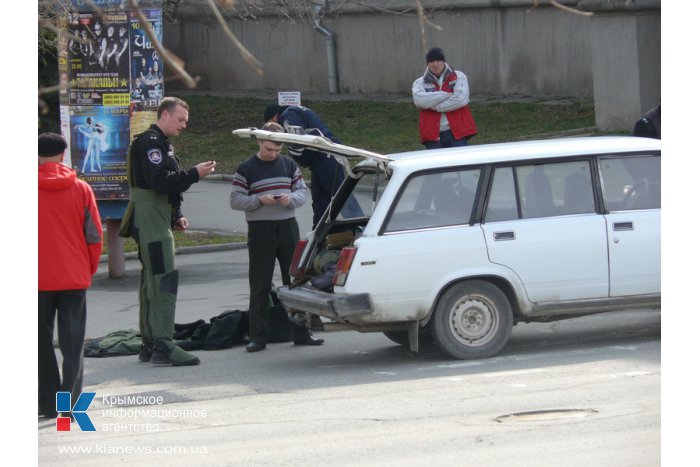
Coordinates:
(268, 242)
(447, 140)
(68, 309)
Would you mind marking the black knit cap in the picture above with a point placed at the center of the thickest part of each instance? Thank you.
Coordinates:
(272, 109)
(433, 54)
(51, 144)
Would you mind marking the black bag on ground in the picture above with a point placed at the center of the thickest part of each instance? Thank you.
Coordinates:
(196, 340)
(185, 331)
(226, 330)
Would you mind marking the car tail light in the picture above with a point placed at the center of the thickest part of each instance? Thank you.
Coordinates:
(347, 255)
(294, 269)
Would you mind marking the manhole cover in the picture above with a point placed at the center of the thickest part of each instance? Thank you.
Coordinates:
(539, 415)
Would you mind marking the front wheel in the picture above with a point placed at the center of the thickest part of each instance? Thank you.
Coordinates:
(473, 319)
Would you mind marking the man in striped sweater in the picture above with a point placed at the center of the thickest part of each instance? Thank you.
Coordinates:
(269, 187)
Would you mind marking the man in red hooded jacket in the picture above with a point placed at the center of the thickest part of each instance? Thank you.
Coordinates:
(70, 243)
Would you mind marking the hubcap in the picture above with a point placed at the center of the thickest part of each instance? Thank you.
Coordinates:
(473, 320)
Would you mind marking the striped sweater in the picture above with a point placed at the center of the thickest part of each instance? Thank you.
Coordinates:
(256, 177)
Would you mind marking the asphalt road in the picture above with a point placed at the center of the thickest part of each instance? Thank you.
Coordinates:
(581, 392)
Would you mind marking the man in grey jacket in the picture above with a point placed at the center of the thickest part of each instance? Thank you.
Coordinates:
(442, 94)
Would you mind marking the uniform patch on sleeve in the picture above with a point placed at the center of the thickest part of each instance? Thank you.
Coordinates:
(155, 156)
(293, 129)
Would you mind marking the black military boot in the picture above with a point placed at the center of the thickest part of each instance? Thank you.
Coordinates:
(167, 353)
(146, 350)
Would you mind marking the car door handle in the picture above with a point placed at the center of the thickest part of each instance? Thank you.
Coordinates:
(499, 236)
(623, 226)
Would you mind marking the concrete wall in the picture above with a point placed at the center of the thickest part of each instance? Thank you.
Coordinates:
(503, 51)
(506, 47)
(627, 78)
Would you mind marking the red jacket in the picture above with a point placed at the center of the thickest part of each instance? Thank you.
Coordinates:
(70, 230)
(461, 120)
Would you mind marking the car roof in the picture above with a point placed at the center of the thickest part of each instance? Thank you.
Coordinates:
(523, 151)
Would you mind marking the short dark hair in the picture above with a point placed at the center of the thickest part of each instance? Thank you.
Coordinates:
(169, 103)
(272, 109)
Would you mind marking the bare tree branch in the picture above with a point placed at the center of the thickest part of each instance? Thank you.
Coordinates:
(432, 25)
(383, 10)
(60, 32)
(247, 56)
(556, 4)
(421, 21)
(168, 57)
(48, 90)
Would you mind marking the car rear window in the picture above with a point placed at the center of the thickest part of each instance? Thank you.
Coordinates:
(631, 182)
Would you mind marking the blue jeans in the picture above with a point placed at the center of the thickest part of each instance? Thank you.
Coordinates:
(447, 140)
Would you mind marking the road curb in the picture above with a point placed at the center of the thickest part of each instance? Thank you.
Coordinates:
(186, 250)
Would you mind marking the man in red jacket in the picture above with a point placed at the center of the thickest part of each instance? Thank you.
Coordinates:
(70, 243)
(442, 94)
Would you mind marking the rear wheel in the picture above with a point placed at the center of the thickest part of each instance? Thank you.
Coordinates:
(473, 319)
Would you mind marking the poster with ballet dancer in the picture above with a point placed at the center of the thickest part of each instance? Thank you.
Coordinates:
(99, 141)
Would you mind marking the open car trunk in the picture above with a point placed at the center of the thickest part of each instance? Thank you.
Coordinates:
(314, 269)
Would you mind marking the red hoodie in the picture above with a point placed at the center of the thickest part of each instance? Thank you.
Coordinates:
(70, 230)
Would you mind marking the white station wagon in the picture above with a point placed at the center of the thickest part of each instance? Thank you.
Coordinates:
(457, 245)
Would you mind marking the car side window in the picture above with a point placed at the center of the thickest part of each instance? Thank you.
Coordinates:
(631, 182)
(502, 204)
(435, 200)
(555, 189)
(543, 190)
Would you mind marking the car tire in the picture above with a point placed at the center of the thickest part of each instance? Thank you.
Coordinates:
(472, 319)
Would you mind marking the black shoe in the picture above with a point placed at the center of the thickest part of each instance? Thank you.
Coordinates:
(308, 340)
(255, 346)
(316, 324)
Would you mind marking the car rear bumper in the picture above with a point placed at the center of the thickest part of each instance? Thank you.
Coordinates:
(325, 304)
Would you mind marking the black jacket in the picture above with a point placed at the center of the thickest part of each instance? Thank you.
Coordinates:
(649, 126)
(153, 165)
